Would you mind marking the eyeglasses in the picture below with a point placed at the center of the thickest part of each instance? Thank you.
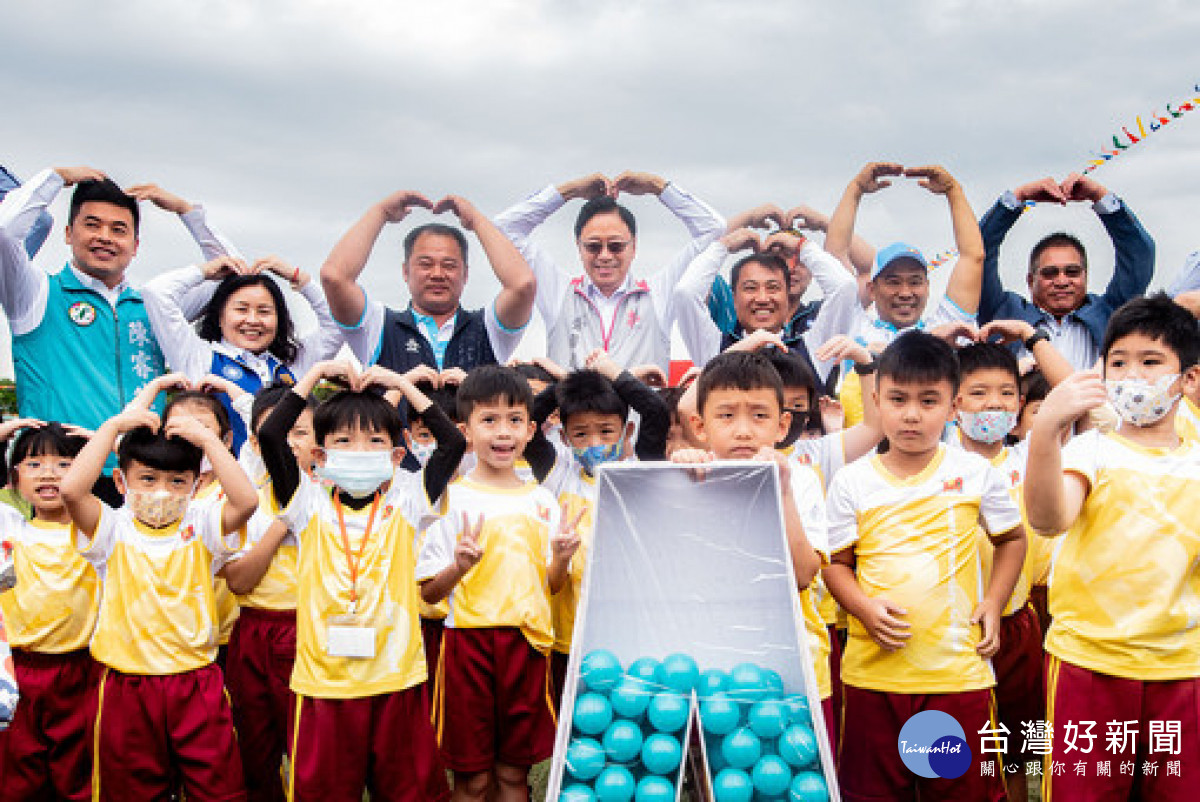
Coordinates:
(1050, 273)
(595, 247)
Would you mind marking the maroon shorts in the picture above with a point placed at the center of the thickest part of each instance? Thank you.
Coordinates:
(492, 700)
(559, 662)
(155, 731)
(262, 650)
(46, 753)
(1020, 690)
(431, 635)
(835, 683)
(383, 744)
(831, 717)
(1161, 765)
(869, 763)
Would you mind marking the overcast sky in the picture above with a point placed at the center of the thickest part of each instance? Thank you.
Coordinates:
(288, 118)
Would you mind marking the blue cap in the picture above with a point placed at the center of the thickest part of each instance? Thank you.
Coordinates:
(886, 257)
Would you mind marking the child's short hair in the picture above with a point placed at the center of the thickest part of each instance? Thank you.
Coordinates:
(267, 399)
(155, 450)
(367, 410)
(588, 391)
(1158, 318)
(1034, 386)
(51, 440)
(671, 396)
(919, 358)
(738, 370)
(793, 371)
(533, 372)
(206, 400)
(493, 383)
(444, 398)
(104, 190)
(987, 356)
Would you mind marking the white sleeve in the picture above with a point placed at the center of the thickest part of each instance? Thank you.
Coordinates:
(206, 516)
(99, 548)
(705, 225)
(997, 508)
(364, 337)
(829, 273)
(302, 506)
(1081, 455)
(212, 242)
(945, 312)
(182, 347)
(24, 288)
(840, 313)
(503, 339)
(326, 339)
(841, 515)
(518, 223)
(700, 335)
(552, 524)
(810, 501)
(21, 207)
(437, 552)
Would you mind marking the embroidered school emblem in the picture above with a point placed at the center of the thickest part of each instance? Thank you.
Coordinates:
(387, 511)
(952, 486)
(543, 513)
(187, 534)
(1016, 478)
(82, 313)
(232, 372)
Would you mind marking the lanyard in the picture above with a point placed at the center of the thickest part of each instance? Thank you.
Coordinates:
(354, 560)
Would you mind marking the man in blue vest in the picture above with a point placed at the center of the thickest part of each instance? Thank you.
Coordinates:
(434, 330)
(82, 344)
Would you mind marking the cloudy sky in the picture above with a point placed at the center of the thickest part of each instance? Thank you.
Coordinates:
(287, 118)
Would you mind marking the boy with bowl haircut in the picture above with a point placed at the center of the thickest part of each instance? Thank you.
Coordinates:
(498, 554)
(1124, 645)
(362, 717)
(905, 566)
(163, 714)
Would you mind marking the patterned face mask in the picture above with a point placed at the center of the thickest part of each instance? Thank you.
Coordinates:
(422, 451)
(157, 508)
(593, 457)
(1142, 403)
(988, 425)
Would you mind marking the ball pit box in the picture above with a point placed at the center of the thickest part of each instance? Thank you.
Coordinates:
(696, 566)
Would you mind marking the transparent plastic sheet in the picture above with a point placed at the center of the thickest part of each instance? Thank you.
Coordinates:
(8, 676)
(690, 566)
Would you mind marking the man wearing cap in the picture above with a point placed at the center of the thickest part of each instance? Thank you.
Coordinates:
(1059, 304)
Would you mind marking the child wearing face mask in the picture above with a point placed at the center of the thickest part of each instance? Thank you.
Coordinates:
(1123, 642)
(362, 716)
(163, 716)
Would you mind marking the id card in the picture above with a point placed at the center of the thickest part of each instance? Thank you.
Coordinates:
(346, 637)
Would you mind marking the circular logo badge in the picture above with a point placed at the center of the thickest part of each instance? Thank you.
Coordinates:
(232, 372)
(933, 744)
(82, 313)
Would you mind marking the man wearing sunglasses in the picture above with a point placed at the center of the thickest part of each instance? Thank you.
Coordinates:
(1059, 305)
(606, 308)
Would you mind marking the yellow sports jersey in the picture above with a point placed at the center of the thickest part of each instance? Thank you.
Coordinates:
(53, 607)
(852, 400)
(508, 587)
(277, 588)
(579, 494)
(158, 611)
(227, 603)
(1125, 593)
(826, 455)
(915, 544)
(377, 570)
(809, 495)
(1187, 419)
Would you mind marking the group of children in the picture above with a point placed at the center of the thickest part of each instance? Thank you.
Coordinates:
(404, 559)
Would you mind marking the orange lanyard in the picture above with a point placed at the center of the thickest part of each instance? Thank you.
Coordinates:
(354, 560)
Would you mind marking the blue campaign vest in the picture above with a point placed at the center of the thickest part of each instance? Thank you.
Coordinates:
(230, 368)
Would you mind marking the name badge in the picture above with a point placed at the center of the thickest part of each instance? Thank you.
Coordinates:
(349, 639)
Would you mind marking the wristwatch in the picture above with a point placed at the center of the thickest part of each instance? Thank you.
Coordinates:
(1038, 336)
(867, 369)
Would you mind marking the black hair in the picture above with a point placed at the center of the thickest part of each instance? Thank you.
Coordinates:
(1058, 239)
(155, 450)
(496, 384)
(206, 400)
(671, 396)
(738, 370)
(987, 356)
(588, 391)
(1034, 386)
(283, 346)
(793, 371)
(267, 399)
(1158, 318)
(917, 357)
(368, 411)
(440, 229)
(768, 260)
(51, 440)
(445, 398)
(104, 190)
(604, 205)
(533, 372)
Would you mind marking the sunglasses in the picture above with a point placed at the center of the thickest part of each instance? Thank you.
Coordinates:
(1051, 273)
(596, 247)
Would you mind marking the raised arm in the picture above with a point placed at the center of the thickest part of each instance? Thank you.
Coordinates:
(806, 218)
(965, 282)
(241, 498)
(76, 485)
(1050, 361)
(185, 351)
(326, 339)
(839, 234)
(1133, 246)
(244, 573)
(994, 300)
(655, 416)
(701, 336)
(211, 241)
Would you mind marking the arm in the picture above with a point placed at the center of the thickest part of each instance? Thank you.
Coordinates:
(840, 231)
(806, 218)
(882, 619)
(467, 553)
(1133, 246)
(185, 351)
(76, 484)
(212, 242)
(540, 453)
(862, 437)
(966, 281)
(655, 417)
(241, 499)
(993, 228)
(1007, 560)
(805, 560)
(324, 341)
(1054, 365)
(702, 222)
(244, 573)
(699, 333)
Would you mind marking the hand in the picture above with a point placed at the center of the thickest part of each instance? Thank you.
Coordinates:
(565, 542)
(395, 207)
(223, 267)
(133, 417)
(759, 217)
(602, 363)
(550, 366)
(164, 200)
(741, 239)
(759, 339)
(338, 372)
(843, 347)
(1074, 396)
(467, 552)
(1004, 332)
(951, 332)
(933, 177)
(452, 376)
(988, 617)
(883, 623)
(833, 415)
(9, 428)
(591, 186)
(635, 183)
(871, 178)
(768, 454)
(289, 273)
(191, 429)
(784, 243)
(805, 218)
(379, 376)
(1044, 190)
(649, 375)
(213, 383)
(74, 175)
(690, 375)
(424, 373)
(461, 208)
(78, 431)
(168, 382)
(696, 458)
(1082, 188)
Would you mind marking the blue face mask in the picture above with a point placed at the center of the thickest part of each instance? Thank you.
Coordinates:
(593, 457)
(359, 473)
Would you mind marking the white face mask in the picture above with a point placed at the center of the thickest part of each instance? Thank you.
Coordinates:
(1140, 402)
(987, 425)
(157, 508)
(422, 451)
(359, 473)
